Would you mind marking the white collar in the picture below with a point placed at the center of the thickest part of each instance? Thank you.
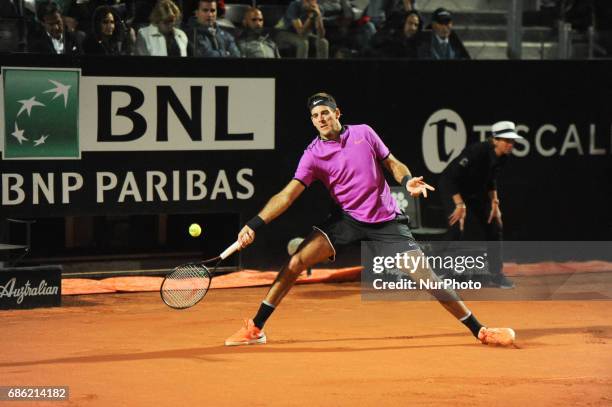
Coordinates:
(60, 39)
(441, 40)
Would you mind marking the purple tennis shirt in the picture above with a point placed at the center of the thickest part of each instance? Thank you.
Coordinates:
(350, 168)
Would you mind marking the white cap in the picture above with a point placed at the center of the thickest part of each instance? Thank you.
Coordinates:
(505, 130)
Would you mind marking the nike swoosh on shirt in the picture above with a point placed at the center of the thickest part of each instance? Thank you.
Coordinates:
(359, 141)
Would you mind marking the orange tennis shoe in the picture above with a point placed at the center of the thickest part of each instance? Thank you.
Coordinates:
(497, 336)
(249, 334)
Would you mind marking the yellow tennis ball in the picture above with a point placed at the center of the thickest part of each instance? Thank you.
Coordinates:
(195, 230)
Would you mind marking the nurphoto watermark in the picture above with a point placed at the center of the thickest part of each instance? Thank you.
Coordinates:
(486, 270)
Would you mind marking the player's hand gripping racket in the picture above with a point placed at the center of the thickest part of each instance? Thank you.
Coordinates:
(187, 284)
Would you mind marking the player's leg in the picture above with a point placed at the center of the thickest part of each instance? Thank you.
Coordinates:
(453, 303)
(315, 249)
(397, 231)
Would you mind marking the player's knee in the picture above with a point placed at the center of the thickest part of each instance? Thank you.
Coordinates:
(296, 264)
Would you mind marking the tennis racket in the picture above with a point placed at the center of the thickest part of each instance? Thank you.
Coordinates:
(187, 284)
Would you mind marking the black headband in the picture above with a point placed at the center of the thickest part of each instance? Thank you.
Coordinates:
(321, 100)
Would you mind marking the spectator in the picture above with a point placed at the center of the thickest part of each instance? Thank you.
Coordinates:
(301, 24)
(190, 6)
(51, 37)
(79, 14)
(441, 42)
(162, 37)
(107, 36)
(253, 41)
(396, 15)
(207, 39)
(398, 44)
(342, 30)
(412, 24)
(382, 12)
(140, 10)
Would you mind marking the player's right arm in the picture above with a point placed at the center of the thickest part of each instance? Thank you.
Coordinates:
(275, 207)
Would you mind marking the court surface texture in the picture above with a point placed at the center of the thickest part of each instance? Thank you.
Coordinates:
(326, 347)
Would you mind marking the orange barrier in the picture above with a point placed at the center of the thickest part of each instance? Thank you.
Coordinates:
(245, 278)
(254, 278)
(551, 267)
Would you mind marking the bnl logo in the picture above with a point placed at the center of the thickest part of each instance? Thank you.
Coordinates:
(41, 113)
(444, 136)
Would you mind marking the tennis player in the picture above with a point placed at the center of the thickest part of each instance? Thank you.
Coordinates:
(348, 160)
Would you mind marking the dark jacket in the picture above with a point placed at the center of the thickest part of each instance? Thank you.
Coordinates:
(473, 173)
(424, 49)
(210, 42)
(393, 45)
(94, 46)
(40, 43)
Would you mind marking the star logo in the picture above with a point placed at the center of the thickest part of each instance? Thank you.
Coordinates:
(40, 140)
(28, 104)
(18, 134)
(60, 90)
(50, 129)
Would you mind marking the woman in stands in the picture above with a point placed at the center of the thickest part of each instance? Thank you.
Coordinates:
(107, 36)
(163, 37)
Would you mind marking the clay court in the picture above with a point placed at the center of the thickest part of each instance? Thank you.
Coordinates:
(326, 347)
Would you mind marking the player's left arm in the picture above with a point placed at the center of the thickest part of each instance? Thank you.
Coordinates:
(416, 186)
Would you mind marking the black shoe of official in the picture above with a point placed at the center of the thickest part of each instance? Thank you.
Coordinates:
(501, 281)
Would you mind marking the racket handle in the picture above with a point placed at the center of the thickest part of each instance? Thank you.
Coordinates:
(230, 250)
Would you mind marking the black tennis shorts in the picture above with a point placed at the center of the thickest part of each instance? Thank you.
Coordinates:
(341, 229)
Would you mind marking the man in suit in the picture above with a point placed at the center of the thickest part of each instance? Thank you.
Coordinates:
(441, 43)
(52, 38)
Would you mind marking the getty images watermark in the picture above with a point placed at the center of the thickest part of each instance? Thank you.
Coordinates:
(487, 270)
(416, 263)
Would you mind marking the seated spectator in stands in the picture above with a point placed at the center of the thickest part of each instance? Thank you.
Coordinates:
(301, 25)
(345, 33)
(253, 42)
(441, 42)
(206, 38)
(140, 10)
(398, 44)
(51, 37)
(384, 12)
(162, 37)
(107, 37)
(395, 16)
(190, 6)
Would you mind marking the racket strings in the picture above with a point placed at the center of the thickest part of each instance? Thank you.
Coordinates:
(185, 286)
